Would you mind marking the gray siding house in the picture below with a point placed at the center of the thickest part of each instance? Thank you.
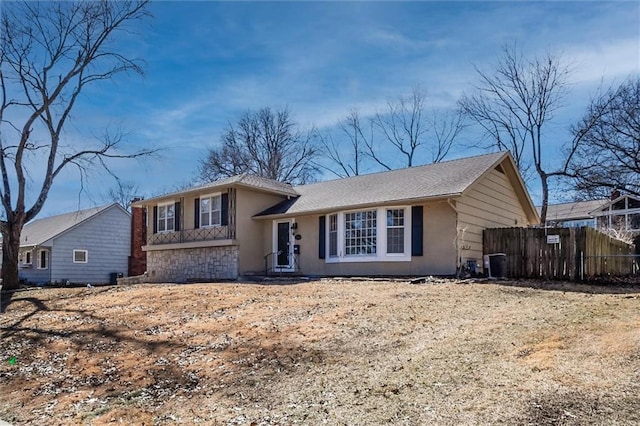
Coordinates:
(85, 246)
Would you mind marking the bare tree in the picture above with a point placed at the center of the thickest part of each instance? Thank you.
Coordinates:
(123, 193)
(514, 106)
(266, 143)
(49, 52)
(407, 126)
(346, 159)
(609, 156)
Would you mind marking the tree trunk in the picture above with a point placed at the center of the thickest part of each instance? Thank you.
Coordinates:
(545, 198)
(10, 251)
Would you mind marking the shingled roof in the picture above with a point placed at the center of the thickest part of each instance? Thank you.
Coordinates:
(39, 231)
(440, 180)
(573, 211)
(242, 180)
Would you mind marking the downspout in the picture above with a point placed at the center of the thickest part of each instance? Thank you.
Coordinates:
(456, 243)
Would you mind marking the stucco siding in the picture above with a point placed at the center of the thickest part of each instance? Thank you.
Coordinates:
(439, 254)
(107, 240)
(250, 232)
(439, 240)
(491, 203)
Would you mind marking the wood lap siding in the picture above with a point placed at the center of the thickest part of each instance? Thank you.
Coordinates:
(492, 203)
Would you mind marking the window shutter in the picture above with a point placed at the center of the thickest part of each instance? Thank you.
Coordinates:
(322, 225)
(196, 213)
(224, 210)
(416, 230)
(155, 219)
(177, 216)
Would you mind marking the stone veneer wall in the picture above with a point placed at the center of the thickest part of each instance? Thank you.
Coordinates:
(194, 264)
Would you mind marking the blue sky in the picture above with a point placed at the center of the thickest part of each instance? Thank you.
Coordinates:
(207, 62)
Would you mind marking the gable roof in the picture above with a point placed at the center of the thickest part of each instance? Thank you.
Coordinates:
(573, 211)
(243, 180)
(40, 231)
(603, 209)
(433, 181)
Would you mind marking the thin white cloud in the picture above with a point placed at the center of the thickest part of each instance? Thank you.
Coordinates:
(611, 60)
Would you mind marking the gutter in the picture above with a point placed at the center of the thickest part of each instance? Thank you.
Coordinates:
(333, 209)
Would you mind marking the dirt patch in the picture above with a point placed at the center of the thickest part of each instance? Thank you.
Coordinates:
(330, 351)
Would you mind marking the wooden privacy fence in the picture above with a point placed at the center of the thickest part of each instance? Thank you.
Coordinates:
(559, 253)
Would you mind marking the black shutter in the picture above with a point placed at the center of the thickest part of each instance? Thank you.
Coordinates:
(155, 219)
(176, 227)
(224, 210)
(196, 213)
(322, 222)
(416, 230)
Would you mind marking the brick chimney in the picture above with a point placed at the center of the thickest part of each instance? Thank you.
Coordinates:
(138, 258)
(615, 193)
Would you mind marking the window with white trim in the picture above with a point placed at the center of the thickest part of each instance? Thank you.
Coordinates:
(80, 256)
(395, 231)
(333, 235)
(166, 217)
(360, 236)
(27, 257)
(43, 259)
(210, 211)
(372, 235)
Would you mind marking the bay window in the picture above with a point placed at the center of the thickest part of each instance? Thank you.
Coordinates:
(360, 233)
(380, 234)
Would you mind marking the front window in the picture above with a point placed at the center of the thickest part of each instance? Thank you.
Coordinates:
(166, 218)
(333, 235)
(360, 233)
(381, 234)
(27, 258)
(210, 211)
(43, 259)
(395, 231)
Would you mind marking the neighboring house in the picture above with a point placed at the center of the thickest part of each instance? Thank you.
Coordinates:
(573, 215)
(85, 246)
(622, 213)
(416, 221)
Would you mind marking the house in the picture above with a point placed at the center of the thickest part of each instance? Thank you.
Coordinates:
(573, 215)
(415, 221)
(86, 246)
(621, 213)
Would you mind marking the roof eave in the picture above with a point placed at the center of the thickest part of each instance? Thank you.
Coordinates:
(206, 189)
(347, 207)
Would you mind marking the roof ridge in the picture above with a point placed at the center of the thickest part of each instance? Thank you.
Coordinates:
(362, 176)
(96, 208)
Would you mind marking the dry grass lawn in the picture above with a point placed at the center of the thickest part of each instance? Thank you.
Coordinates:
(324, 352)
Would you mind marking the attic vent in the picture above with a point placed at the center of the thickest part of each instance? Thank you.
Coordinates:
(499, 168)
